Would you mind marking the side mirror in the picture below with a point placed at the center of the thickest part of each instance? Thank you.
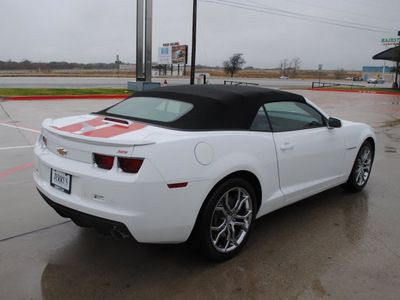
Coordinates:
(334, 123)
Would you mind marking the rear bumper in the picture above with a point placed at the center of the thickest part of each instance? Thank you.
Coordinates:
(102, 225)
(141, 204)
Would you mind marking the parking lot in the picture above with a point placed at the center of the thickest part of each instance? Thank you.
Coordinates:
(334, 245)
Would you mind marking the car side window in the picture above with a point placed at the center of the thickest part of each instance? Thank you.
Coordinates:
(290, 116)
(260, 122)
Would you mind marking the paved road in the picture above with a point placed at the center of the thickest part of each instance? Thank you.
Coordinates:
(105, 82)
(334, 245)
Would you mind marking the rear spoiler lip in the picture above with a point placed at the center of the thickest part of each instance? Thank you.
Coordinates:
(95, 140)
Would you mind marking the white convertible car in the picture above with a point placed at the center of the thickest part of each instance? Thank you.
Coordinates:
(196, 162)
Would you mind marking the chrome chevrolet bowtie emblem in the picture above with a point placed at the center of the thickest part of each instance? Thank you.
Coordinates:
(62, 151)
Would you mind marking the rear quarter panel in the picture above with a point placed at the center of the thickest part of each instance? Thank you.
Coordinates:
(232, 151)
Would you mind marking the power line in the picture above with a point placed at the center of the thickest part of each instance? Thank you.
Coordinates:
(342, 10)
(269, 9)
(285, 13)
(316, 18)
(262, 6)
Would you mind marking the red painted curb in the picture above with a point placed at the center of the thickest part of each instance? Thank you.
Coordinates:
(355, 91)
(66, 97)
(9, 172)
(19, 126)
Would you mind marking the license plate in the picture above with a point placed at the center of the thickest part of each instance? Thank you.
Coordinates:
(61, 181)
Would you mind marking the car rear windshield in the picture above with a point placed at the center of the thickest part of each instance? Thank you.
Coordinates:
(153, 109)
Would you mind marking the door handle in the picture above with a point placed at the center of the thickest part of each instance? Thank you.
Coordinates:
(287, 146)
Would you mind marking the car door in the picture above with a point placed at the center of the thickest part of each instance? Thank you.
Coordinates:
(309, 154)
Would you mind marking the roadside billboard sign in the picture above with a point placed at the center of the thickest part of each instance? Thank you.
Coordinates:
(179, 54)
(172, 53)
(165, 55)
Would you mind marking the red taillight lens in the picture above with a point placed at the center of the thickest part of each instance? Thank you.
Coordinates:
(104, 161)
(130, 165)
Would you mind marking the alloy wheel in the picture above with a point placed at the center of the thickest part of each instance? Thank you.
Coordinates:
(363, 167)
(231, 220)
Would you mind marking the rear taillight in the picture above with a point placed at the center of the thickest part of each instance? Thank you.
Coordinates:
(130, 165)
(127, 165)
(104, 161)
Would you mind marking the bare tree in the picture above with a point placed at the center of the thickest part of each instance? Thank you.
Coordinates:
(284, 66)
(339, 73)
(296, 64)
(233, 64)
(290, 68)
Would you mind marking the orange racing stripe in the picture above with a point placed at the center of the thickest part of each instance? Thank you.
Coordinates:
(78, 126)
(114, 130)
(105, 132)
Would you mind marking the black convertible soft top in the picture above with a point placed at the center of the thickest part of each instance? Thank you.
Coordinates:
(215, 107)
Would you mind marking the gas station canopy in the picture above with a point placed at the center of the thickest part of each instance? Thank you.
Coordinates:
(394, 55)
(389, 54)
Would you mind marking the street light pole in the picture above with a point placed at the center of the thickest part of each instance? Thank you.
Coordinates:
(193, 63)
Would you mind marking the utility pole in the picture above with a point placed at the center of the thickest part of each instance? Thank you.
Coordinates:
(193, 63)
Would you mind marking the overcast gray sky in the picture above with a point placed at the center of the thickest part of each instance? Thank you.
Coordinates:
(265, 31)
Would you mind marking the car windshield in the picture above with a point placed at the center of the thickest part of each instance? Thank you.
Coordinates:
(153, 109)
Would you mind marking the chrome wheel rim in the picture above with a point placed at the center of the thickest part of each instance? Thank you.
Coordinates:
(231, 220)
(363, 167)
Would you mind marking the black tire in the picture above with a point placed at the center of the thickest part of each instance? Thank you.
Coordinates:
(221, 230)
(361, 169)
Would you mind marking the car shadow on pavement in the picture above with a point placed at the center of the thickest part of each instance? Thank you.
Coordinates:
(286, 253)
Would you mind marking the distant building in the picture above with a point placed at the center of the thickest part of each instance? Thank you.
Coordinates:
(374, 72)
(127, 68)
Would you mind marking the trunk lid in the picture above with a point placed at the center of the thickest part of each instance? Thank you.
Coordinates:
(79, 137)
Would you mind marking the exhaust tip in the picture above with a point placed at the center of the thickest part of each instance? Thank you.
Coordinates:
(119, 235)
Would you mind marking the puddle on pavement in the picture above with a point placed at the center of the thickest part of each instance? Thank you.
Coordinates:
(389, 149)
(290, 250)
(391, 123)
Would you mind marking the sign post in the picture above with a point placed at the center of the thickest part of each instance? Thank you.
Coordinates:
(118, 62)
(320, 69)
(144, 25)
(173, 53)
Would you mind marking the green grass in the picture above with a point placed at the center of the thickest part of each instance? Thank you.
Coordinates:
(361, 89)
(55, 92)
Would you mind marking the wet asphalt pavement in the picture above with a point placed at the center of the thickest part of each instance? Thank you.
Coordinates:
(334, 245)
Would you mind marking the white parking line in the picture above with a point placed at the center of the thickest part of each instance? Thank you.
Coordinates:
(19, 127)
(16, 147)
